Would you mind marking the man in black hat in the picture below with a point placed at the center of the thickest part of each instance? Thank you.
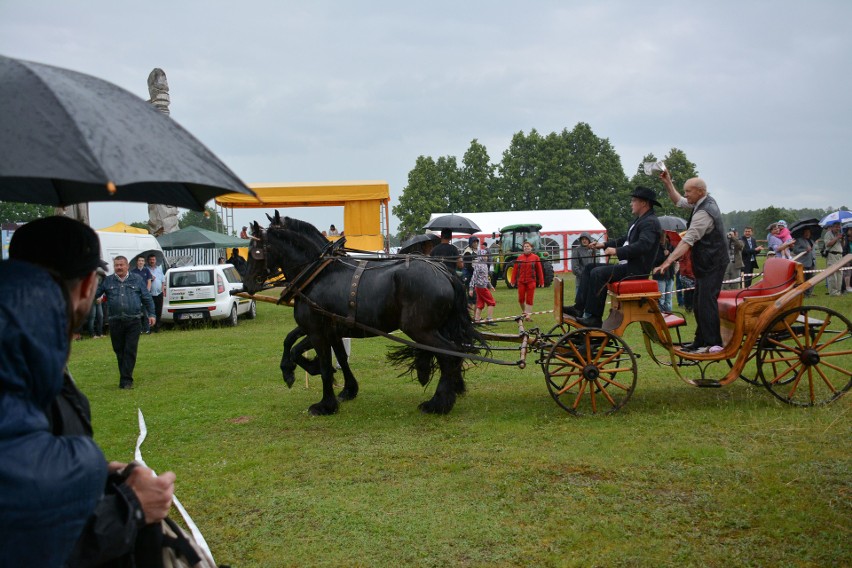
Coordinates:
(636, 253)
(705, 236)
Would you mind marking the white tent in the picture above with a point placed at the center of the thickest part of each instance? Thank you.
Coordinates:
(559, 228)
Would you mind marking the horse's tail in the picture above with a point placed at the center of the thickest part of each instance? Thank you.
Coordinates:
(458, 329)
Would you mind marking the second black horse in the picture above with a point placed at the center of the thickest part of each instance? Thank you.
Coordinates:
(416, 295)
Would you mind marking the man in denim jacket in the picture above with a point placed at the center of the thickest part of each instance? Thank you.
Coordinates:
(125, 295)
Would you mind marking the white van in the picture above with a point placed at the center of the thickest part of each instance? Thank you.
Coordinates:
(130, 246)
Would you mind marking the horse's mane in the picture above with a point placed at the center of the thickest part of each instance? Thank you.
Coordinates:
(304, 229)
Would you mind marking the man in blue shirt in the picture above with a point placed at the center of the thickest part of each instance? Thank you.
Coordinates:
(147, 278)
(156, 288)
(125, 295)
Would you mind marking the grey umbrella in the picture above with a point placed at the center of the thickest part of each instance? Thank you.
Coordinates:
(456, 223)
(672, 223)
(407, 245)
(67, 138)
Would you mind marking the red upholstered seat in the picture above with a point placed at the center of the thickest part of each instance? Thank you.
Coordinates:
(633, 287)
(673, 320)
(778, 274)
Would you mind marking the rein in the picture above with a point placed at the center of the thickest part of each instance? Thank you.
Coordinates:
(345, 321)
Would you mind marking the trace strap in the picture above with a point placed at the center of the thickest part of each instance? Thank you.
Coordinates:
(345, 320)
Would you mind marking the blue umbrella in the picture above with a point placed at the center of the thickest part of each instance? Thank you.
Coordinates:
(837, 216)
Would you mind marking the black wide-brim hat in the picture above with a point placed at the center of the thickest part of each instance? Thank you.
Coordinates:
(647, 194)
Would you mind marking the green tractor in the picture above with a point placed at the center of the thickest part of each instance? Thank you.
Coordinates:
(510, 248)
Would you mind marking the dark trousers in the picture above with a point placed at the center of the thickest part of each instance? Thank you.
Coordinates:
(158, 309)
(707, 290)
(591, 295)
(124, 334)
(748, 269)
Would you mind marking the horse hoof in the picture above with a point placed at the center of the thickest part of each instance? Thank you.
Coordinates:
(289, 379)
(432, 407)
(346, 395)
(319, 409)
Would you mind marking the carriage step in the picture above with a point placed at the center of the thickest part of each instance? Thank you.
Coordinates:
(707, 383)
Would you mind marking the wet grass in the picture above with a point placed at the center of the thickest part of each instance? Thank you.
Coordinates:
(679, 477)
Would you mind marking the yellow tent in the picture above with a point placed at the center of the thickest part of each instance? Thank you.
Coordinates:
(124, 228)
(362, 203)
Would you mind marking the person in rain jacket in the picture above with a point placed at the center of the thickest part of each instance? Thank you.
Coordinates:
(527, 275)
(50, 484)
(54, 510)
(581, 255)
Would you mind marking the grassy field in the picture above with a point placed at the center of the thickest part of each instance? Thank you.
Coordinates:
(680, 477)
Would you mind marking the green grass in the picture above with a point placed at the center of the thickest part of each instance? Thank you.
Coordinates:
(679, 477)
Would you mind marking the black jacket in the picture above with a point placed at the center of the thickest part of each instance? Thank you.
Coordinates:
(749, 254)
(643, 239)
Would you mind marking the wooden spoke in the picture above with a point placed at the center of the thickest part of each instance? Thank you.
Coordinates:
(810, 344)
(590, 372)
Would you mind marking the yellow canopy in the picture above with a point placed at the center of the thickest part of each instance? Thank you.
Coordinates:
(124, 228)
(361, 201)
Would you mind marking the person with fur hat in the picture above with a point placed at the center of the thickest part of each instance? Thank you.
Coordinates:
(705, 237)
(54, 510)
(635, 251)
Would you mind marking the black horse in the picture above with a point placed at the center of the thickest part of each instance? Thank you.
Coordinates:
(416, 295)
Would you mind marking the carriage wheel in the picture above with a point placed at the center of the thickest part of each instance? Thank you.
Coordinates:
(590, 371)
(805, 357)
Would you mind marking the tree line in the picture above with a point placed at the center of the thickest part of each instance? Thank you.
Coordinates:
(573, 169)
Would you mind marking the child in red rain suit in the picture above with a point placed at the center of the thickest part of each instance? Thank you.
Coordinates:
(526, 276)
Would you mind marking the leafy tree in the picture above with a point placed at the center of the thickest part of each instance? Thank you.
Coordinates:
(594, 178)
(520, 173)
(762, 218)
(11, 212)
(420, 197)
(477, 181)
(140, 225)
(209, 219)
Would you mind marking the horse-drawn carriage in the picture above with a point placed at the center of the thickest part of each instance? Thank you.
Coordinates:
(801, 353)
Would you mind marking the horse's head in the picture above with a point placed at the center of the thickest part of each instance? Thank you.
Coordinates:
(286, 246)
(257, 271)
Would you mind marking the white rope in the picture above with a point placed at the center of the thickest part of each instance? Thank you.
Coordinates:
(751, 275)
(199, 538)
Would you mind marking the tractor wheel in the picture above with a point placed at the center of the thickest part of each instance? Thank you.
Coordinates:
(590, 371)
(507, 274)
(547, 269)
(805, 356)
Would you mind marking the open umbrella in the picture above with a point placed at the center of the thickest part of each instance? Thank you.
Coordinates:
(797, 228)
(68, 138)
(672, 223)
(407, 245)
(456, 223)
(841, 216)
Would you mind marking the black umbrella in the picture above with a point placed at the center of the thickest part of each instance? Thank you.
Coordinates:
(68, 138)
(797, 228)
(456, 223)
(416, 240)
(672, 223)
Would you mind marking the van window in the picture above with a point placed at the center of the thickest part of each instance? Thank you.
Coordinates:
(193, 278)
(232, 275)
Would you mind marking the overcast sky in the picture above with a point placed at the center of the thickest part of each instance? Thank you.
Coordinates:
(756, 93)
